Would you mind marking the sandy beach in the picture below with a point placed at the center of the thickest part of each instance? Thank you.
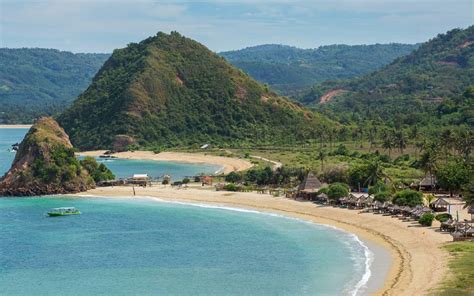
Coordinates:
(417, 263)
(228, 164)
(15, 125)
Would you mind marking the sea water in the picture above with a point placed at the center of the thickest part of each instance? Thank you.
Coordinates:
(122, 168)
(144, 247)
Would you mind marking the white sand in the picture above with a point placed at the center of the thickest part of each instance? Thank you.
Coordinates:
(417, 262)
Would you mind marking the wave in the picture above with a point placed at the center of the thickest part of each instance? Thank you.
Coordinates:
(358, 289)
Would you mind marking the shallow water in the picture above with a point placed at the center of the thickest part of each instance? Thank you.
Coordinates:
(139, 246)
(122, 168)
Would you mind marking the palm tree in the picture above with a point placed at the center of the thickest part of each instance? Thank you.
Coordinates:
(429, 158)
(387, 144)
(322, 157)
(463, 143)
(400, 141)
(374, 173)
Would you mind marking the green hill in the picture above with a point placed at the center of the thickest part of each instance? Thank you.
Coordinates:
(37, 81)
(428, 87)
(289, 69)
(169, 90)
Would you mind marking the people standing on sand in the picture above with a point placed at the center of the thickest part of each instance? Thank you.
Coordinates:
(133, 187)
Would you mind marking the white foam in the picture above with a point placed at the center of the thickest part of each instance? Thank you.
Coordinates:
(359, 287)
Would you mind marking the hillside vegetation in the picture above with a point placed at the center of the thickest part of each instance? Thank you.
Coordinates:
(289, 69)
(426, 88)
(169, 90)
(37, 81)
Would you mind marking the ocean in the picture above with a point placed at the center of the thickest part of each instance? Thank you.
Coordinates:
(141, 246)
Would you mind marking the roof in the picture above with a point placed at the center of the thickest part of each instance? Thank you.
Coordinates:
(310, 183)
(428, 180)
(440, 202)
(470, 209)
(140, 176)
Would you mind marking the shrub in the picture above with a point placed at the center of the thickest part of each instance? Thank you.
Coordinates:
(426, 219)
(341, 150)
(382, 196)
(165, 182)
(443, 217)
(231, 187)
(186, 181)
(233, 177)
(337, 190)
(408, 197)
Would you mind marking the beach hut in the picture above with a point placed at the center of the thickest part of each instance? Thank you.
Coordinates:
(470, 210)
(140, 179)
(206, 180)
(428, 183)
(309, 188)
(440, 205)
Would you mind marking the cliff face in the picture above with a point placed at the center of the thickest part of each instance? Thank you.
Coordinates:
(45, 164)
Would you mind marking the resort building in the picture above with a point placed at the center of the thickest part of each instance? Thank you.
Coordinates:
(309, 188)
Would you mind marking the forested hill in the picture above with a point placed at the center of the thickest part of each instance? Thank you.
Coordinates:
(38, 81)
(169, 90)
(430, 84)
(289, 69)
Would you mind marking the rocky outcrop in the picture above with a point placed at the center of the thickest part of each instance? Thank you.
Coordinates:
(45, 164)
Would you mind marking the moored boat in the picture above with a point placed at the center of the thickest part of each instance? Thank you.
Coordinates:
(65, 211)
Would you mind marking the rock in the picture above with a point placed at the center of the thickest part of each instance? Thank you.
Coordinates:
(45, 164)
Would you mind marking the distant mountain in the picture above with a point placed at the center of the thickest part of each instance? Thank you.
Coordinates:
(38, 81)
(169, 90)
(431, 82)
(289, 69)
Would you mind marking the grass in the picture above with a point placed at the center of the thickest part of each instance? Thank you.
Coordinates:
(306, 156)
(461, 266)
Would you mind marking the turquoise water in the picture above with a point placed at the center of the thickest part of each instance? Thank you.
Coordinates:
(8, 137)
(122, 168)
(144, 247)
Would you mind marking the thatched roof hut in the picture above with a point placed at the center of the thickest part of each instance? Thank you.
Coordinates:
(310, 184)
(440, 205)
(428, 182)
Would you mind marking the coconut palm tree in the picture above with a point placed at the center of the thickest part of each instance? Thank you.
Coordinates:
(322, 157)
(374, 173)
(400, 141)
(387, 144)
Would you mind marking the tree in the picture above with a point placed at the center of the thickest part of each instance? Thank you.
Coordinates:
(322, 157)
(400, 141)
(98, 172)
(387, 144)
(452, 176)
(374, 173)
(468, 192)
(337, 191)
(408, 197)
(233, 177)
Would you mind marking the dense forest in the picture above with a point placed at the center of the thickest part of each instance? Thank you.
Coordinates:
(428, 88)
(169, 90)
(289, 70)
(37, 81)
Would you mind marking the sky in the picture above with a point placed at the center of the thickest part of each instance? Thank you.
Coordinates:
(103, 25)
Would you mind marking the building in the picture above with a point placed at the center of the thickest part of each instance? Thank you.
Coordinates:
(309, 188)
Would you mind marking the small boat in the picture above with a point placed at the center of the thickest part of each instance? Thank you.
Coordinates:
(66, 211)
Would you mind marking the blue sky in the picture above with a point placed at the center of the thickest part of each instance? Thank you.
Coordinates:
(102, 25)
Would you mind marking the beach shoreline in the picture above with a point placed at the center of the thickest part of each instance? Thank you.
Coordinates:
(228, 164)
(15, 125)
(417, 264)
